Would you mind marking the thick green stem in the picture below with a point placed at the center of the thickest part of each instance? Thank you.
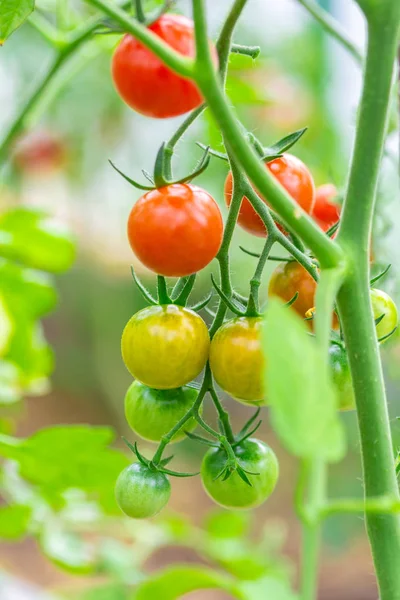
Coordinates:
(354, 300)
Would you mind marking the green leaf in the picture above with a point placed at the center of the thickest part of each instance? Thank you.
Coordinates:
(31, 237)
(63, 457)
(176, 581)
(14, 521)
(301, 395)
(267, 587)
(12, 14)
(10, 386)
(226, 524)
(242, 92)
(6, 324)
(67, 550)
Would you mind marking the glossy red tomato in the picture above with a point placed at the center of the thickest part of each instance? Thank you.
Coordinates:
(145, 83)
(326, 211)
(176, 230)
(293, 175)
(289, 278)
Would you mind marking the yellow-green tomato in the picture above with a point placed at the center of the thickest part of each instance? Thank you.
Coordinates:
(382, 304)
(340, 371)
(153, 413)
(142, 492)
(254, 457)
(166, 346)
(237, 361)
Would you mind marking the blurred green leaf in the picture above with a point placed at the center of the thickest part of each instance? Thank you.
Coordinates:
(14, 521)
(10, 387)
(241, 91)
(226, 524)
(63, 457)
(111, 591)
(12, 14)
(6, 325)
(36, 240)
(302, 399)
(267, 587)
(67, 550)
(26, 290)
(174, 582)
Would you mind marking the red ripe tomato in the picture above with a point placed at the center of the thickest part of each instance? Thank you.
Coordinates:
(145, 83)
(175, 230)
(40, 151)
(293, 175)
(326, 212)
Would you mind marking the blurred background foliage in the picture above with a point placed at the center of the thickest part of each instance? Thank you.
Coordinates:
(58, 483)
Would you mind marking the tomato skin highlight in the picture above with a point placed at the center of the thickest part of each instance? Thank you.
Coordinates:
(237, 360)
(153, 413)
(176, 230)
(165, 347)
(382, 304)
(326, 212)
(145, 83)
(254, 456)
(340, 371)
(293, 175)
(140, 492)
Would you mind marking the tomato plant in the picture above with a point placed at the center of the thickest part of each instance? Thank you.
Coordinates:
(175, 230)
(293, 175)
(259, 463)
(163, 66)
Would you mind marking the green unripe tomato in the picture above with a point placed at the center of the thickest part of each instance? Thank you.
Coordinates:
(166, 346)
(153, 413)
(141, 492)
(382, 304)
(253, 456)
(341, 377)
(237, 360)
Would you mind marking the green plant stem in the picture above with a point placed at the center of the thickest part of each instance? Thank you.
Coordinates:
(223, 415)
(354, 301)
(379, 505)
(255, 282)
(315, 480)
(333, 27)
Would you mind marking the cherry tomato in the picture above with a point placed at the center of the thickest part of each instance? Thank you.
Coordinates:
(382, 304)
(165, 347)
(340, 370)
(237, 361)
(40, 151)
(326, 211)
(153, 413)
(176, 230)
(253, 456)
(289, 278)
(141, 492)
(145, 83)
(293, 175)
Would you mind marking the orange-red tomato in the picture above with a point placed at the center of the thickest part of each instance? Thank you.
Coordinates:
(145, 83)
(289, 278)
(40, 151)
(175, 230)
(326, 211)
(293, 175)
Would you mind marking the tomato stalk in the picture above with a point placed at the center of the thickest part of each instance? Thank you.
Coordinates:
(354, 299)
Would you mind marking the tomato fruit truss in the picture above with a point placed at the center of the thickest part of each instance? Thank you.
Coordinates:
(260, 465)
(145, 83)
(175, 230)
(153, 413)
(293, 175)
(166, 346)
(142, 492)
(237, 361)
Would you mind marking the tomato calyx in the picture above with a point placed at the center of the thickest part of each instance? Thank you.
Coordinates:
(178, 296)
(158, 466)
(162, 170)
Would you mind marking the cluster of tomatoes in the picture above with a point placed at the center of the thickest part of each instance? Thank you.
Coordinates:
(175, 231)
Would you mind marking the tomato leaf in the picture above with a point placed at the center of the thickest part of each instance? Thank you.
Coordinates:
(67, 550)
(266, 587)
(14, 521)
(301, 395)
(31, 237)
(176, 581)
(12, 14)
